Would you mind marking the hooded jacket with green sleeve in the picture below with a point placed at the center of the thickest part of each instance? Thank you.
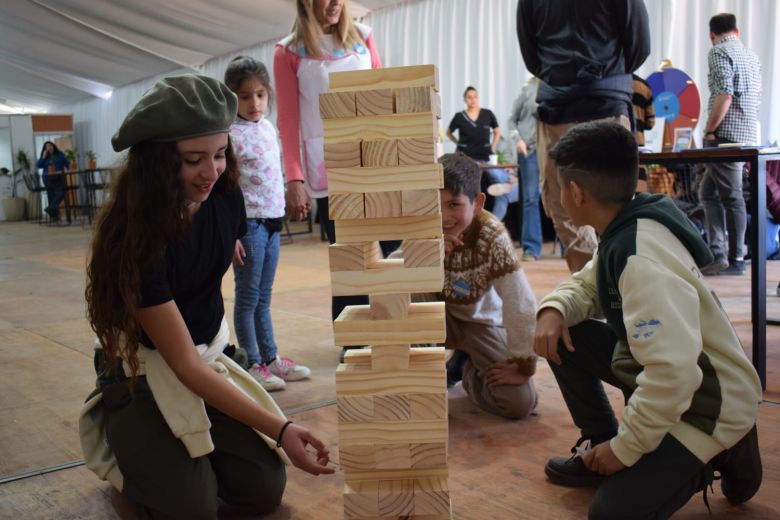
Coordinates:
(676, 347)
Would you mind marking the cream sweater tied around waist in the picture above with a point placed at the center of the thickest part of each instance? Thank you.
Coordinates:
(184, 411)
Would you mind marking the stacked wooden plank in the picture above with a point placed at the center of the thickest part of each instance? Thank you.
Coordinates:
(380, 133)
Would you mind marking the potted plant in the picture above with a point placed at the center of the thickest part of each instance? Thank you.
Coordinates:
(91, 159)
(70, 155)
(13, 206)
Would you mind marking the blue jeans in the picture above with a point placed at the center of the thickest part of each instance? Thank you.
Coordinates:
(254, 281)
(532, 222)
(500, 203)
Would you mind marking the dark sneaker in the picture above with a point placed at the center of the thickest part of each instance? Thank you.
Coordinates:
(571, 471)
(735, 268)
(718, 265)
(740, 469)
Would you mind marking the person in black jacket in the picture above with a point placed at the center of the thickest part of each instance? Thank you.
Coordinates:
(584, 52)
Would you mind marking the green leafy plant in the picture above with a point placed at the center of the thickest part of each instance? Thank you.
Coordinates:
(90, 155)
(23, 163)
(71, 155)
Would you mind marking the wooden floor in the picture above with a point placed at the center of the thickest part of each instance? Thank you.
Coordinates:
(496, 466)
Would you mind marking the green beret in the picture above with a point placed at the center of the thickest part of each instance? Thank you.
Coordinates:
(178, 107)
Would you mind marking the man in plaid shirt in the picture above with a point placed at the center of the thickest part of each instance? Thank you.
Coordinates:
(734, 81)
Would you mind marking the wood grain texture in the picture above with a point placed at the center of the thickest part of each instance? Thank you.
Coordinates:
(374, 102)
(385, 277)
(428, 455)
(361, 358)
(383, 204)
(342, 155)
(396, 497)
(344, 206)
(379, 153)
(389, 306)
(423, 253)
(417, 99)
(389, 77)
(361, 499)
(428, 406)
(337, 105)
(354, 257)
(390, 357)
(420, 202)
(395, 228)
(356, 408)
(393, 456)
(431, 496)
(425, 324)
(421, 379)
(417, 150)
(391, 408)
(385, 178)
(372, 128)
(357, 458)
(387, 474)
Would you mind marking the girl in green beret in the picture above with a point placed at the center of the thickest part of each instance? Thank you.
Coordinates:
(174, 424)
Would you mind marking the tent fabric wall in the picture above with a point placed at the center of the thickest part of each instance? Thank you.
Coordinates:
(473, 42)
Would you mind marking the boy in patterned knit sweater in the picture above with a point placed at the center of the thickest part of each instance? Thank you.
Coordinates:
(489, 305)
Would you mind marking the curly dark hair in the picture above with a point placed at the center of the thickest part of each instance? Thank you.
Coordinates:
(146, 211)
(461, 175)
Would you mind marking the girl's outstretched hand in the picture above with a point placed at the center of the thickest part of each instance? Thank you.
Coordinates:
(294, 442)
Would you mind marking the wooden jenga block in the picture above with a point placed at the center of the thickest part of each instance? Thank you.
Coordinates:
(388, 474)
(428, 406)
(389, 306)
(425, 324)
(379, 153)
(343, 206)
(390, 357)
(395, 228)
(396, 497)
(393, 456)
(337, 105)
(371, 128)
(431, 496)
(417, 99)
(428, 378)
(423, 253)
(385, 178)
(420, 202)
(342, 155)
(386, 277)
(389, 77)
(361, 358)
(357, 457)
(393, 432)
(375, 102)
(383, 204)
(391, 408)
(354, 257)
(428, 455)
(361, 498)
(356, 408)
(418, 150)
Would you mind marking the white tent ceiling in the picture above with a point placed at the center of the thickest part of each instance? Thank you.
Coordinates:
(56, 52)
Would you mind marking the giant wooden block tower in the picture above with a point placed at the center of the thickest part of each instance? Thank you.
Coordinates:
(380, 132)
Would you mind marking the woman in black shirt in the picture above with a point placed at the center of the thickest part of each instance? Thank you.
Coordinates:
(161, 246)
(474, 126)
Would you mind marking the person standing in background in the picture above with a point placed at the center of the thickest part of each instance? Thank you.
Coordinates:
(52, 158)
(584, 53)
(324, 39)
(734, 80)
(523, 125)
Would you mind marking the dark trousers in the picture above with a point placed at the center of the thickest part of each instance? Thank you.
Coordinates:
(166, 483)
(662, 481)
(388, 246)
(55, 193)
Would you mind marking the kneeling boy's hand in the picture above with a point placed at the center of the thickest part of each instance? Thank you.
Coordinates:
(602, 460)
(294, 442)
(506, 373)
(550, 328)
(450, 243)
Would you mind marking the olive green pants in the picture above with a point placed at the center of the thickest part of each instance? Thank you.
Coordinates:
(162, 478)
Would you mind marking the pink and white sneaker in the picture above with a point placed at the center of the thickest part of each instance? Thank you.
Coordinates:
(288, 370)
(267, 380)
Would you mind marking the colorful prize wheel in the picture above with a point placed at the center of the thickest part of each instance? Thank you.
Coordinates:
(676, 99)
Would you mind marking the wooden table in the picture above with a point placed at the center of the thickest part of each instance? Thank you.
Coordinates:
(757, 157)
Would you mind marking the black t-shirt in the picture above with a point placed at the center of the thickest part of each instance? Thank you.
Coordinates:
(474, 136)
(190, 273)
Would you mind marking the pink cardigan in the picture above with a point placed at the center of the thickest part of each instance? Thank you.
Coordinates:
(286, 65)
